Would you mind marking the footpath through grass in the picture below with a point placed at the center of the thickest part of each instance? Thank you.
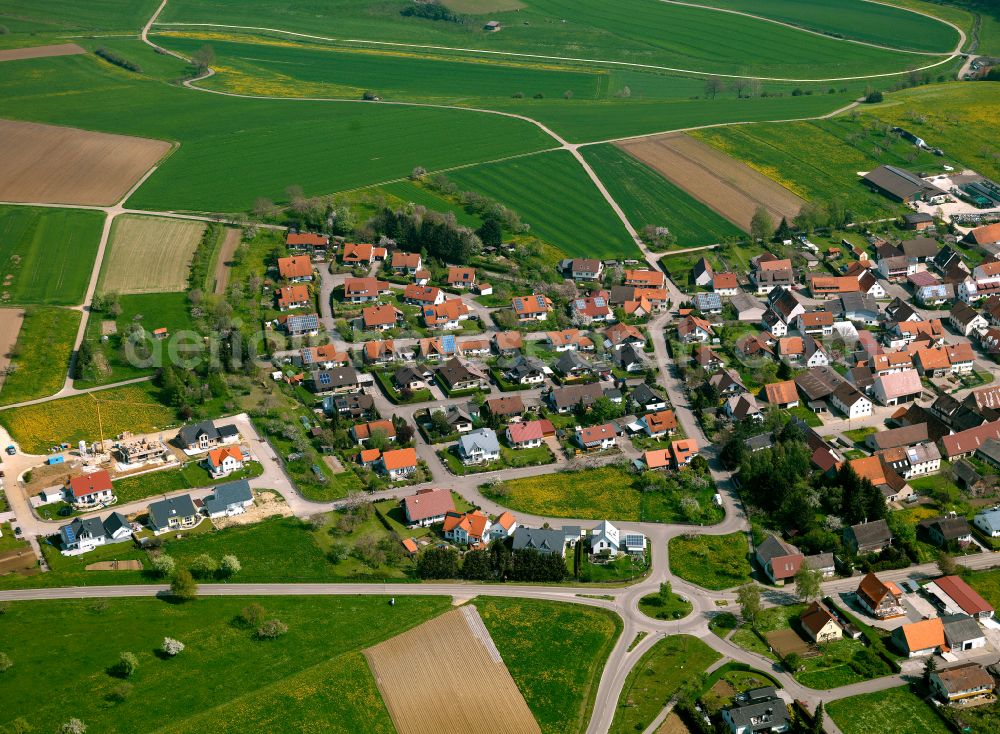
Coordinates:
(711, 561)
(555, 653)
(662, 671)
(225, 680)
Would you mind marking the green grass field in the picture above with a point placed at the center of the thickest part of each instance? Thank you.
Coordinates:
(409, 192)
(897, 710)
(958, 118)
(41, 354)
(30, 24)
(711, 561)
(634, 32)
(594, 494)
(662, 671)
(820, 160)
(132, 408)
(314, 678)
(235, 150)
(855, 19)
(583, 223)
(555, 653)
(649, 199)
(46, 255)
(152, 311)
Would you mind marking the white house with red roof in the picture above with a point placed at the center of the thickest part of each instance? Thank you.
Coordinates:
(470, 528)
(503, 527)
(527, 434)
(90, 489)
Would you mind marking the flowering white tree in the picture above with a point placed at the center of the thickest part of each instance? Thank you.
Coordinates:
(171, 646)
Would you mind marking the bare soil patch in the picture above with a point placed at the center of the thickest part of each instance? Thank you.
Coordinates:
(266, 505)
(132, 565)
(150, 255)
(426, 692)
(673, 725)
(726, 185)
(21, 561)
(64, 165)
(38, 52)
(224, 266)
(788, 641)
(10, 325)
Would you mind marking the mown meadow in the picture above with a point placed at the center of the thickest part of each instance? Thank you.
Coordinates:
(47, 255)
(225, 680)
(649, 199)
(632, 31)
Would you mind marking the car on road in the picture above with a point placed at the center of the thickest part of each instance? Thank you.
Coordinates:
(11, 450)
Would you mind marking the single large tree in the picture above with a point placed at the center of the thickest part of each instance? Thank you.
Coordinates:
(808, 583)
(183, 586)
(761, 225)
(748, 597)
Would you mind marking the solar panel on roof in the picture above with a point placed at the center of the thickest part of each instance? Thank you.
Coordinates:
(70, 535)
(324, 378)
(541, 301)
(448, 343)
(599, 302)
(518, 304)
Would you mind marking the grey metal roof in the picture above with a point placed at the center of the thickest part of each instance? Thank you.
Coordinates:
(161, 512)
(115, 522)
(190, 434)
(544, 540)
(485, 439)
(959, 628)
(228, 494)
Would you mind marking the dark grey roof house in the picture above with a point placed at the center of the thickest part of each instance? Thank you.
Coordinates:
(543, 540)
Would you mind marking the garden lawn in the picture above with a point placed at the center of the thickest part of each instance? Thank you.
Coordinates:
(41, 354)
(152, 311)
(898, 710)
(987, 583)
(132, 408)
(555, 653)
(583, 223)
(592, 494)
(46, 255)
(650, 199)
(190, 476)
(235, 150)
(225, 680)
(711, 561)
(662, 671)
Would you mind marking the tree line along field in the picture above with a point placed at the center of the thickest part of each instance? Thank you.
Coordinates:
(863, 21)
(47, 255)
(631, 31)
(604, 103)
(149, 255)
(235, 150)
(41, 354)
(649, 199)
(226, 680)
(131, 408)
(552, 193)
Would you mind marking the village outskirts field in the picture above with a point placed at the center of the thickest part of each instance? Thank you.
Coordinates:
(154, 157)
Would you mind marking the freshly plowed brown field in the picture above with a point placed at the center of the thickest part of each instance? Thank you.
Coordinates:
(38, 52)
(727, 185)
(426, 692)
(10, 325)
(48, 164)
(224, 266)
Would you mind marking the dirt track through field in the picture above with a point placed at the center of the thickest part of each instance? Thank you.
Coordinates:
(724, 184)
(10, 325)
(39, 52)
(224, 266)
(63, 165)
(445, 675)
